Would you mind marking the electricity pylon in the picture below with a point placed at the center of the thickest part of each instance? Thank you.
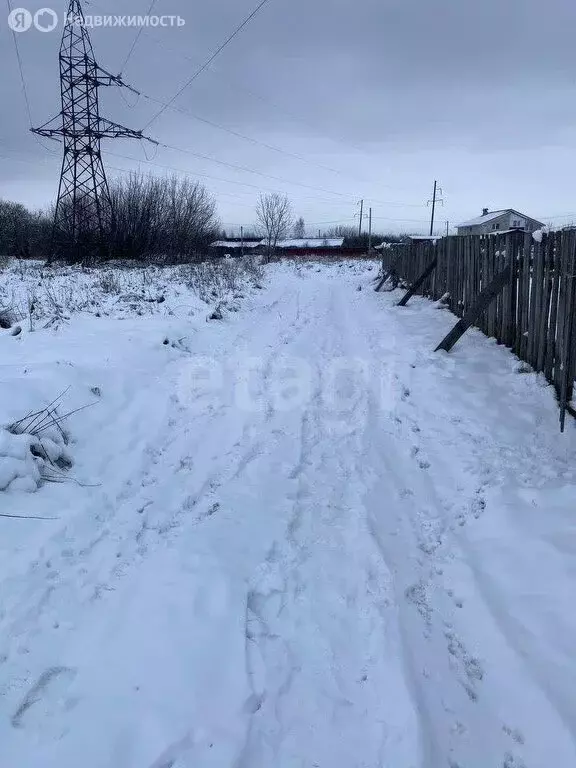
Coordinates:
(83, 218)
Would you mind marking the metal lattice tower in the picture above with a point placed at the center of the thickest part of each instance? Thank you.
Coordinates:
(83, 216)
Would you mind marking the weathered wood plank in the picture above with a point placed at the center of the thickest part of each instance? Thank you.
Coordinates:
(544, 317)
(554, 254)
(561, 318)
(490, 241)
(567, 372)
(538, 300)
(524, 293)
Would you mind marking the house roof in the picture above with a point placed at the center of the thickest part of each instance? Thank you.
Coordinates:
(491, 215)
(311, 242)
(235, 244)
(484, 219)
(305, 242)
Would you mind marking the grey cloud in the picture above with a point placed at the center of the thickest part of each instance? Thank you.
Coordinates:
(390, 92)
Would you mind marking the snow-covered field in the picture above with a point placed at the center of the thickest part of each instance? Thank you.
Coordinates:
(292, 537)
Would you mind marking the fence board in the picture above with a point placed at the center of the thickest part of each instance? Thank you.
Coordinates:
(553, 320)
(544, 317)
(566, 374)
(534, 313)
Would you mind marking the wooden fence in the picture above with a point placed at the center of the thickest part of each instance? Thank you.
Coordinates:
(534, 307)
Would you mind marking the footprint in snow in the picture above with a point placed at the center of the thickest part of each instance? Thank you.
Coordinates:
(515, 734)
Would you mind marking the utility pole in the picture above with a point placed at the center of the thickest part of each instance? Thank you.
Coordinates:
(242, 241)
(447, 228)
(433, 208)
(83, 216)
(362, 215)
(435, 201)
(370, 232)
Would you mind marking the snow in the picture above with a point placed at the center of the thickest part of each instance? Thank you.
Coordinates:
(306, 242)
(310, 242)
(293, 537)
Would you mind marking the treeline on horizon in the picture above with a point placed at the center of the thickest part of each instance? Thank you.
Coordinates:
(155, 218)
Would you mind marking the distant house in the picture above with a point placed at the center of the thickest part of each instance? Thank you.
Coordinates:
(234, 247)
(498, 221)
(303, 247)
(314, 246)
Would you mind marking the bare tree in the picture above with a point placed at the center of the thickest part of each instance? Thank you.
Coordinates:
(274, 214)
(299, 229)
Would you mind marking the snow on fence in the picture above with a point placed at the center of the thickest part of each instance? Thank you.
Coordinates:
(534, 312)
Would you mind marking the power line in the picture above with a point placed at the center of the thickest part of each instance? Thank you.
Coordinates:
(257, 187)
(279, 150)
(219, 193)
(22, 78)
(194, 174)
(182, 110)
(137, 38)
(243, 136)
(204, 66)
(337, 221)
(265, 99)
(413, 221)
(245, 169)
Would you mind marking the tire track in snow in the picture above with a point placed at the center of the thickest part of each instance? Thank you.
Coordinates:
(88, 557)
(316, 628)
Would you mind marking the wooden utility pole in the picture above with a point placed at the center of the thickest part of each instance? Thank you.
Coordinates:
(433, 208)
(361, 215)
(242, 240)
(370, 232)
(447, 228)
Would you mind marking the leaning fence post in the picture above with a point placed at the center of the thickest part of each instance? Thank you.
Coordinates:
(418, 282)
(486, 297)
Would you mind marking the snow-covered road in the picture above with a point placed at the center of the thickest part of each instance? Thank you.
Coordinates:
(313, 542)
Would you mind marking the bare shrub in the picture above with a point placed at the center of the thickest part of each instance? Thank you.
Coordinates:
(253, 269)
(205, 280)
(109, 282)
(161, 219)
(10, 314)
(7, 317)
(214, 279)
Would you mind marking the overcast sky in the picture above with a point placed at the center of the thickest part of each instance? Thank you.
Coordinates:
(377, 97)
